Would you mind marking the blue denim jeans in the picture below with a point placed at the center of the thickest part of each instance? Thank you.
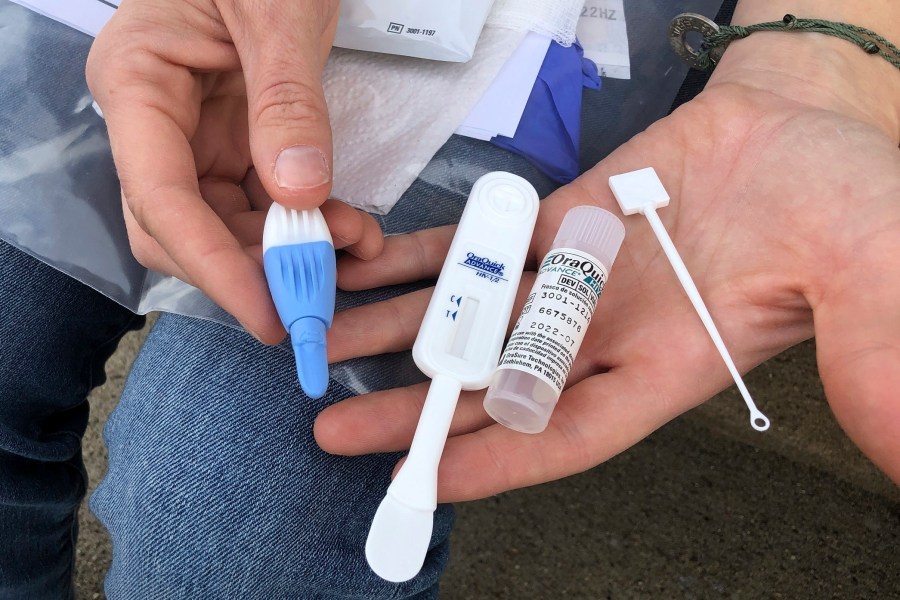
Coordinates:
(216, 487)
(55, 337)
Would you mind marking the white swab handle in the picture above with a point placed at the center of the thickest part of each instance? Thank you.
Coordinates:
(642, 192)
(757, 419)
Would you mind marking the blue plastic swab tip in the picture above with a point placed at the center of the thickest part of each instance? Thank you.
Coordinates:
(308, 339)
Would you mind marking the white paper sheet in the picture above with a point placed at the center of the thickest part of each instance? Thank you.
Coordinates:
(88, 16)
(500, 109)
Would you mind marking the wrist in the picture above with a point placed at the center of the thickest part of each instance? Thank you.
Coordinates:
(814, 69)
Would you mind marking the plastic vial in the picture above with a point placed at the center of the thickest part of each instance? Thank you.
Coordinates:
(540, 352)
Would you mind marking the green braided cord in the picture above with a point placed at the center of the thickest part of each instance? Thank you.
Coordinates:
(866, 39)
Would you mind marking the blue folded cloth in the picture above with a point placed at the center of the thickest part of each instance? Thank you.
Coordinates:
(550, 130)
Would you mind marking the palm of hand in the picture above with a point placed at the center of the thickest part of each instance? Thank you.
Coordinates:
(215, 124)
(785, 216)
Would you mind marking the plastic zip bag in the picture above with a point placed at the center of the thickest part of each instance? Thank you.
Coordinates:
(59, 194)
(60, 198)
(445, 30)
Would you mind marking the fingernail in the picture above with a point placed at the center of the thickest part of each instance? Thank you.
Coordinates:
(301, 168)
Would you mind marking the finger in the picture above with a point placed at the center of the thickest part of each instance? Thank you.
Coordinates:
(147, 251)
(187, 228)
(682, 336)
(226, 198)
(364, 234)
(353, 230)
(392, 325)
(282, 54)
(371, 240)
(378, 328)
(404, 259)
(220, 142)
(387, 420)
(858, 348)
(595, 420)
(257, 195)
(247, 228)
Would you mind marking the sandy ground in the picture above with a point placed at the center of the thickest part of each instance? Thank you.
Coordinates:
(704, 508)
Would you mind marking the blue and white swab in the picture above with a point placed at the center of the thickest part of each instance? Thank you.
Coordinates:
(299, 260)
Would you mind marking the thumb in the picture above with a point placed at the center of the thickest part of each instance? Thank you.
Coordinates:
(858, 347)
(283, 48)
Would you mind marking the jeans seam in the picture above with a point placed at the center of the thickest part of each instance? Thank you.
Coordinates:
(86, 366)
(115, 337)
(82, 473)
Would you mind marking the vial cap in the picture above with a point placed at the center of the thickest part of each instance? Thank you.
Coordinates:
(592, 230)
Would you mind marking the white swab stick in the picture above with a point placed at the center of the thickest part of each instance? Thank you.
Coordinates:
(642, 192)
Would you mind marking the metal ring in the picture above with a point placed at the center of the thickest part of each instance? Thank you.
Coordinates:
(679, 29)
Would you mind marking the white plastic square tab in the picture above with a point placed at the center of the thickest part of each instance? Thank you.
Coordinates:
(638, 190)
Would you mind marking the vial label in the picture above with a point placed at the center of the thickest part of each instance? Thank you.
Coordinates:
(556, 316)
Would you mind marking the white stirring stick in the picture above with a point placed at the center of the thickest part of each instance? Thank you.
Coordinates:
(642, 192)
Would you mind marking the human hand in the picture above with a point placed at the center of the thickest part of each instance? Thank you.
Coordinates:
(785, 208)
(215, 109)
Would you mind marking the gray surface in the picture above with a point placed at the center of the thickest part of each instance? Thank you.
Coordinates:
(705, 508)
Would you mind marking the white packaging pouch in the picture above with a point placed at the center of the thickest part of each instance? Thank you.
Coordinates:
(445, 30)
